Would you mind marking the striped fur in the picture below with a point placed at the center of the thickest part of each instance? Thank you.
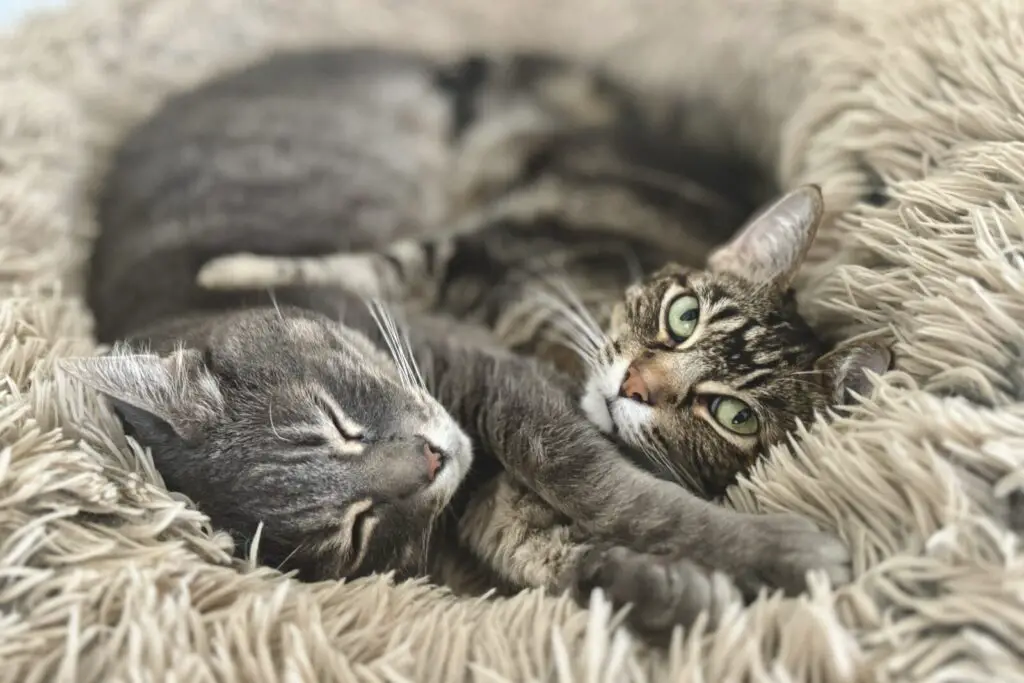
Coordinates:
(598, 208)
(538, 168)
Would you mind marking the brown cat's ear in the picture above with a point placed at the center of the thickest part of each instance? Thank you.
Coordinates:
(179, 390)
(844, 369)
(771, 246)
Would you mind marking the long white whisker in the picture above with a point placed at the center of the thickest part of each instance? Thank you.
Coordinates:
(562, 294)
(562, 312)
(559, 307)
(382, 320)
(649, 447)
(270, 417)
(406, 352)
(649, 450)
(682, 475)
(401, 332)
(636, 273)
(273, 301)
(585, 353)
(414, 363)
(572, 297)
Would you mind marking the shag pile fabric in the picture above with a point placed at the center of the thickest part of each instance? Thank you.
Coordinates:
(909, 114)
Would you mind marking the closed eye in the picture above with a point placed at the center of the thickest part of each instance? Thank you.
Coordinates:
(309, 440)
(342, 426)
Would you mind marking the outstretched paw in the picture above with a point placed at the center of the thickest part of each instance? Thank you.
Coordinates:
(662, 592)
(783, 548)
(243, 271)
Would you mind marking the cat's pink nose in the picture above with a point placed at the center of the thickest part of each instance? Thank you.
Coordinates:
(635, 387)
(434, 460)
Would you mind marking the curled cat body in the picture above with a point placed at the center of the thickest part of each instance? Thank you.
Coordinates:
(580, 231)
(356, 443)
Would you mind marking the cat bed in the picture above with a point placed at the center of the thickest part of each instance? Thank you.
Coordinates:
(909, 116)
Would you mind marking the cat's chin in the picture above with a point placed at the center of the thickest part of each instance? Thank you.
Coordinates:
(596, 409)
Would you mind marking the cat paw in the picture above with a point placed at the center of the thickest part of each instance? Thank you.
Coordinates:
(242, 271)
(662, 592)
(783, 549)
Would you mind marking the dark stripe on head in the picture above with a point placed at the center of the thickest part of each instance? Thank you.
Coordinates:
(724, 313)
(462, 82)
(396, 263)
(429, 249)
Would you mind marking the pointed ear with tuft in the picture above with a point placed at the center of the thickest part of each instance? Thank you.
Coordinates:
(771, 246)
(845, 368)
(177, 389)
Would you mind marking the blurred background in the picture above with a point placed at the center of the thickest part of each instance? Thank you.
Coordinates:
(12, 10)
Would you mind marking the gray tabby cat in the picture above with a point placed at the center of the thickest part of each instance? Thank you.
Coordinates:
(698, 366)
(343, 436)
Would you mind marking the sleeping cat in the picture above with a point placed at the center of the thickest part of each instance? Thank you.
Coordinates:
(344, 435)
(697, 360)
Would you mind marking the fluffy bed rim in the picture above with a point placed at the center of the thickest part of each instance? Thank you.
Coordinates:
(910, 117)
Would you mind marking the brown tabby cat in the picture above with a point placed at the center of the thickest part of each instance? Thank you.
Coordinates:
(698, 366)
(345, 436)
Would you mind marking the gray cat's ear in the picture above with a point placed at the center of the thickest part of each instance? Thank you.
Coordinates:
(845, 368)
(770, 247)
(178, 389)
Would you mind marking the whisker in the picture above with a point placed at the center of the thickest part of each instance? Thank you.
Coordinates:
(402, 341)
(413, 362)
(273, 428)
(287, 557)
(565, 298)
(586, 354)
(273, 302)
(389, 328)
(423, 562)
(524, 316)
(636, 273)
(380, 327)
(659, 452)
(381, 319)
(401, 333)
(584, 326)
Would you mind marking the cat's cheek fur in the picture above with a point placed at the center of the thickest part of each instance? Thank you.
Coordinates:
(630, 417)
(601, 387)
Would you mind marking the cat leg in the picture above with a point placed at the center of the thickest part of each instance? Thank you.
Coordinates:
(515, 413)
(358, 273)
(526, 543)
(405, 270)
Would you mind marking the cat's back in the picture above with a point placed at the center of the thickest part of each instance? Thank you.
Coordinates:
(303, 153)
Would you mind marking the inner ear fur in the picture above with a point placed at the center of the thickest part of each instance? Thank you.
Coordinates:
(845, 370)
(770, 248)
(177, 389)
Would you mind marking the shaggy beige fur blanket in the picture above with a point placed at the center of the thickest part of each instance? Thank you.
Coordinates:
(910, 116)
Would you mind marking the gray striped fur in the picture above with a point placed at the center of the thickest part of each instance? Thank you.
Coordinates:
(347, 152)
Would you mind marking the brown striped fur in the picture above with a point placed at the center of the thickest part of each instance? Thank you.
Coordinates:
(538, 168)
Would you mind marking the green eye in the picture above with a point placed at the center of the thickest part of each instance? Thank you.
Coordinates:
(734, 415)
(681, 318)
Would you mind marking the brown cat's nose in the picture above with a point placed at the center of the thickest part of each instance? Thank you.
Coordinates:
(435, 458)
(635, 387)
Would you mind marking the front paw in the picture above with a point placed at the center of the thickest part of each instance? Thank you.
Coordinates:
(243, 271)
(778, 550)
(661, 592)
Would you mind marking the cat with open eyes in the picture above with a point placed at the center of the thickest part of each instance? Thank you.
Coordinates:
(344, 435)
(587, 244)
